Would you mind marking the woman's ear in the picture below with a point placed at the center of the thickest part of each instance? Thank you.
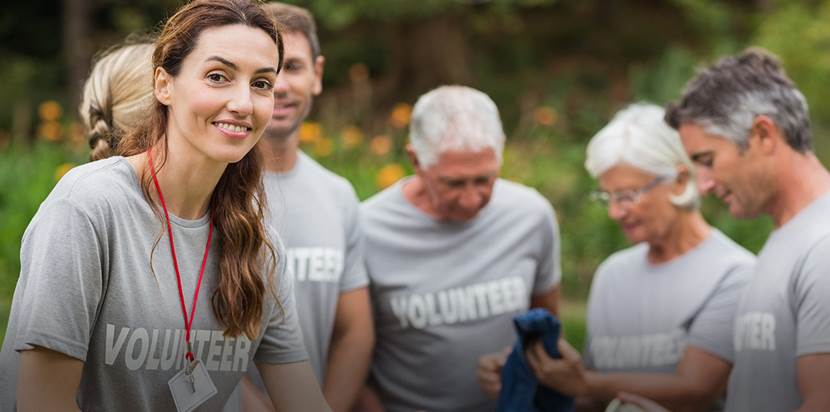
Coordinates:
(682, 179)
(162, 85)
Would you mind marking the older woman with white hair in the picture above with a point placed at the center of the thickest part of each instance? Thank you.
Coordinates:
(660, 313)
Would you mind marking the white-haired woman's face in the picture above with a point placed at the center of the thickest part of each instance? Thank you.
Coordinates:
(639, 202)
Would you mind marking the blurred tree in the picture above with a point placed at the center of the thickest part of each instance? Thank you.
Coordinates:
(76, 45)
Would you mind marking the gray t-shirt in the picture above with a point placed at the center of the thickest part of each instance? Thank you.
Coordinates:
(444, 294)
(783, 313)
(642, 316)
(316, 214)
(87, 290)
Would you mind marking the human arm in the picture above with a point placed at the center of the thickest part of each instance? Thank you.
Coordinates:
(252, 398)
(368, 400)
(548, 300)
(292, 387)
(47, 381)
(810, 291)
(351, 349)
(56, 302)
(813, 373)
(699, 379)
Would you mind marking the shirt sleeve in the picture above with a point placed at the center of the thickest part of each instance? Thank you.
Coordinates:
(62, 266)
(810, 291)
(283, 339)
(354, 267)
(550, 265)
(712, 330)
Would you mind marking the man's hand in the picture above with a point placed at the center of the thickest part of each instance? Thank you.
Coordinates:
(566, 375)
(489, 372)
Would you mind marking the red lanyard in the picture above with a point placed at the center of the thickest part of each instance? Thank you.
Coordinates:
(187, 322)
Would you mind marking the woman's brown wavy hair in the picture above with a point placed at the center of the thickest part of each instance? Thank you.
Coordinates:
(236, 206)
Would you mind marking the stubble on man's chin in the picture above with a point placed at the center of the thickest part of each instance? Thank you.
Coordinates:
(279, 135)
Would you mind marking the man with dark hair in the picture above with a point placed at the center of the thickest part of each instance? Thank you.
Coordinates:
(746, 126)
(316, 214)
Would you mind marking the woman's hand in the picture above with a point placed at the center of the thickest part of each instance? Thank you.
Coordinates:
(566, 375)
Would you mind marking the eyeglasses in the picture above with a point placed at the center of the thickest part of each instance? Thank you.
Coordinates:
(625, 197)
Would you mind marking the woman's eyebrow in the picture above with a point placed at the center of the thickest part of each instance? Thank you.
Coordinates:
(233, 65)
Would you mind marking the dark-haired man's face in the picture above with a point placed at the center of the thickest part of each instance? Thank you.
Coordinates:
(733, 175)
(297, 84)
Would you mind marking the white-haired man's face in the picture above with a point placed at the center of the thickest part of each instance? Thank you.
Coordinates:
(460, 183)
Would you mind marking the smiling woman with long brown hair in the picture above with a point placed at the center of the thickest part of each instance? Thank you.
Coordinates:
(149, 280)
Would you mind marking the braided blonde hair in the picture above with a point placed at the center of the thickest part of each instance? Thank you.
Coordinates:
(117, 95)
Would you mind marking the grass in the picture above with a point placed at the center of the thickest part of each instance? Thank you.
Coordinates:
(573, 322)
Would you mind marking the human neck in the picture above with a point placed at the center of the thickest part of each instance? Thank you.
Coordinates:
(280, 153)
(801, 179)
(187, 180)
(688, 231)
(415, 192)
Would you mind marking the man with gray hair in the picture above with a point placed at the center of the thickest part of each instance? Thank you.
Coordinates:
(746, 126)
(453, 254)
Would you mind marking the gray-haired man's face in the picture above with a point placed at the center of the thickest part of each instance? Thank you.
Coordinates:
(733, 175)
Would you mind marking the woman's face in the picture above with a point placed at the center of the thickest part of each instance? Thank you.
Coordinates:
(639, 202)
(221, 100)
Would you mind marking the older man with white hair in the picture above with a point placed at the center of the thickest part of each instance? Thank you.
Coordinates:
(660, 313)
(453, 254)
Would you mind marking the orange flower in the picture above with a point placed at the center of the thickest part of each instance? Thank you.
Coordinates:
(352, 137)
(62, 169)
(389, 174)
(50, 110)
(545, 116)
(401, 113)
(323, 147)
(310, 132)
(381, 145)
(50, 130)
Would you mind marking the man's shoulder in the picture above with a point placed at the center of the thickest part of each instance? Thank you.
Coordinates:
(519, 198)
(324, 176)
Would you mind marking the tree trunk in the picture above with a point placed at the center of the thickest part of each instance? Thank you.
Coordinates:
(76, 46)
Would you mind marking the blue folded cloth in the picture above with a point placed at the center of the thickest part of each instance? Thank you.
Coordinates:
(520, 391)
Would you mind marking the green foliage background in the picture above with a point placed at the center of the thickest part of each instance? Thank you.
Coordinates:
(580, 60)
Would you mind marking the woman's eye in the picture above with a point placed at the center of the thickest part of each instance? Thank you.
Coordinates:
(216, 77)
(262, 84)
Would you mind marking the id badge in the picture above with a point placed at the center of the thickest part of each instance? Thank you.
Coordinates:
(191, 390)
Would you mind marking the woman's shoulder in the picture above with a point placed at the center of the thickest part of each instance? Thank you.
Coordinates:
(88, 184)
(624, 259)
(100, 187)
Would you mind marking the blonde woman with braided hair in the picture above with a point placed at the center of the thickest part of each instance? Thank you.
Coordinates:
(117, 96)
(149, 280)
